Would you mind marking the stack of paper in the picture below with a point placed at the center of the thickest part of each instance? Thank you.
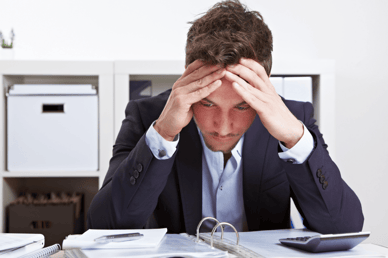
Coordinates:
(172, 245)
(16, 245)
(151, 239)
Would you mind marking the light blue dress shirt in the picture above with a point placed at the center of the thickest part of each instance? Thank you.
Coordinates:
(222, 188)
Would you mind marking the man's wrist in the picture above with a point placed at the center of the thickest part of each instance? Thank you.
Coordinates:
(294, 136)
(301, 151)
(160, 148)
(158, 128)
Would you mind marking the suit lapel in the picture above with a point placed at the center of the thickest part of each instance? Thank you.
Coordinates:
(254, 152)
(189, 169)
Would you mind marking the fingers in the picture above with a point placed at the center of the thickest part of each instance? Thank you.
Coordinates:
(254, 73)
(204, 82)
(202, 93)
(249, 97)
(244, 86)
(192, 67)
(255, 67)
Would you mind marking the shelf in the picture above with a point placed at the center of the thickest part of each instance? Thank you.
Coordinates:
(96, 73)
(64, 174)
(12, 187)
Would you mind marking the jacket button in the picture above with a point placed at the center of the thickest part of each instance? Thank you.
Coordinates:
(319, 173)
(136, 174)
(324, 185)
(132, 180)
(322, 179)
(139, 167)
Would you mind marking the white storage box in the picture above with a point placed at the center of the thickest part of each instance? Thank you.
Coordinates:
(52, 128)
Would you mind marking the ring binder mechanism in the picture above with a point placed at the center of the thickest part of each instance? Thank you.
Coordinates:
(221, 224)
(203, 220)
(225, 244)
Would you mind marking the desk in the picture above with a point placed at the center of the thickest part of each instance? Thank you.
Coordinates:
(371, 247)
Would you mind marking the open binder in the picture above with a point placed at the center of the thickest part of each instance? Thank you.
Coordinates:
(254, 244)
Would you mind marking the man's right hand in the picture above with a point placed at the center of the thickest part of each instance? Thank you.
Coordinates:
(197, 82)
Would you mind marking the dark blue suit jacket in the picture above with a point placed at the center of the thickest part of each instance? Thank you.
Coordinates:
(139, 187)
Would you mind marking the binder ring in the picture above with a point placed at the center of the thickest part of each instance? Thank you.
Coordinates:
(220, 224)
(206, 218)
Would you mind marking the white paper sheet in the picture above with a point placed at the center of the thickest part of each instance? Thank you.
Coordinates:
(151, 239)
(172, 245)
(11, 241)
(266, 243)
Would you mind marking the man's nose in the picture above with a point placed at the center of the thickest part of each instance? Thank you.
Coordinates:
(223, 123)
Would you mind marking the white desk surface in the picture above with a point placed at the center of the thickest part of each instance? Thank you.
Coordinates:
(372, 247)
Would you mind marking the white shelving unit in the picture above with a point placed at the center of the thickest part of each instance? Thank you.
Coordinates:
(100, 75)
(112, 81)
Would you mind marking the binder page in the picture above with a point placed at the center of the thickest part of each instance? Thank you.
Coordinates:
(266, 243)
(172, 245)
(13, 241)
(152, 238)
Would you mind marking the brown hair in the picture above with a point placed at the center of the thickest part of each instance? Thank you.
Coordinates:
(228, 32)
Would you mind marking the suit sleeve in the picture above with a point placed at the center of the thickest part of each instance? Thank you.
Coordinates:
(326, 202)
(134, 180)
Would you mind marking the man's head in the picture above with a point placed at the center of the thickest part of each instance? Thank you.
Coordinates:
(224, 35)
(228, 32)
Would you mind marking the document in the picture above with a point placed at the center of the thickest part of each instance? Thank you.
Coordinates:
(266, 244)
(172, 245)
(151, 239)
(16, 245)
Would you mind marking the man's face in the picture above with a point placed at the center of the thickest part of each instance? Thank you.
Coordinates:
(223, 117)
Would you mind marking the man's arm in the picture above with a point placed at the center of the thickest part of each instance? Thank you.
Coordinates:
(136, 178)
(325, 200)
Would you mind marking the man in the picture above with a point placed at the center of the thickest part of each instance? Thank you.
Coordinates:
(222, 143)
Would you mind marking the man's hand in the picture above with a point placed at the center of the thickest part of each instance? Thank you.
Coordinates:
(197, 82)
(251, 82)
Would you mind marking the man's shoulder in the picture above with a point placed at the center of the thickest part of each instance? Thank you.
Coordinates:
(148, 109)
(153, 103)
(298, 108)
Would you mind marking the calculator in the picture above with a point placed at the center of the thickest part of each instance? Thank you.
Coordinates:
(326, 243)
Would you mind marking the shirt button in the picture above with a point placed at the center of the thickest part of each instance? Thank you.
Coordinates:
(162, 153)
(221, 188)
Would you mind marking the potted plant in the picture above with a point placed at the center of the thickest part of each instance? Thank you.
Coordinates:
(7, 47)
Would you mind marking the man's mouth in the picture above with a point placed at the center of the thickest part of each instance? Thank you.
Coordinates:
(223, 138)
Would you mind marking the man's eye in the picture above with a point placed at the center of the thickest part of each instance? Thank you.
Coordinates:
(207, 104)
(242, 107)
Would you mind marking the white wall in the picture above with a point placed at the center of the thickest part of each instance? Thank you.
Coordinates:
(352, 32)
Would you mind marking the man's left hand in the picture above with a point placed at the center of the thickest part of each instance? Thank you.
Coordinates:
(252, 83)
